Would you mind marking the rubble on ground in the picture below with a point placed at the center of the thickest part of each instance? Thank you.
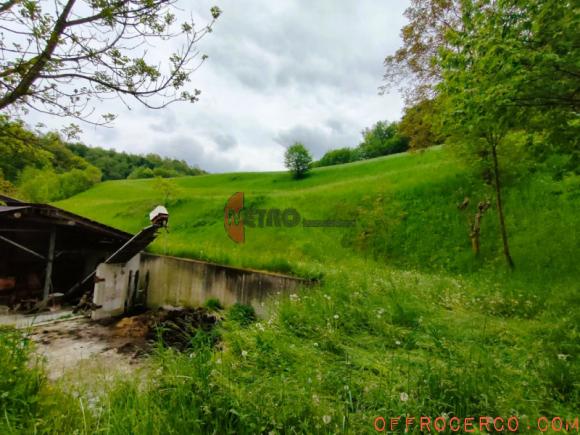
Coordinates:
(173, 327)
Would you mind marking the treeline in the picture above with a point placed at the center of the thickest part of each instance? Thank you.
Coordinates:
(43, 167)
(116, 165)
(382, 139)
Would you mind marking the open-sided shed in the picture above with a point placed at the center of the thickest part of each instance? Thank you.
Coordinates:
(44, 250)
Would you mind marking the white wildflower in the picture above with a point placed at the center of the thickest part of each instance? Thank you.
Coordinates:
(244, 353)
(336, 316)
(563, 356)
(326, 419)
(397, 342)
(404, 397)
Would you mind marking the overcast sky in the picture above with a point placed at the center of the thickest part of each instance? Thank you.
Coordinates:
(278, 72)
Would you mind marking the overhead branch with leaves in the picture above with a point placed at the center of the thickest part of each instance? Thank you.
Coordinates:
(59, 57)
(413, 69)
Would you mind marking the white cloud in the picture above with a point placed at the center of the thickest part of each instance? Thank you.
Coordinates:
(277, 72)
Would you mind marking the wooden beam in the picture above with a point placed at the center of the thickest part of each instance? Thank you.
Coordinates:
(24, 248)
(49, 263)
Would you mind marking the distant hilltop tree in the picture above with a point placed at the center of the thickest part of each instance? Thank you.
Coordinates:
(298, 160)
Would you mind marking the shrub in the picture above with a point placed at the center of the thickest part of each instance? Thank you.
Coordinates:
(242, 314)
(141, 172)
(214, 304)
(20, 382)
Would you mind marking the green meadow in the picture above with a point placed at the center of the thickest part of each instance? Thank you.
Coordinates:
(404, 206)
(405, 320)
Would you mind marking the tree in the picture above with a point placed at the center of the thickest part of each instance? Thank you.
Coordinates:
(19, 148)
(411, 68)
(476, 90)
(503, 73)
(339, 156)
(297, 159)
(382, 139)
(166, 188)
(56, 57)
(418, 124)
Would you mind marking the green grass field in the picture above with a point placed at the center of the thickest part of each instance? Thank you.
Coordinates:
(405, 322)
(405, 207)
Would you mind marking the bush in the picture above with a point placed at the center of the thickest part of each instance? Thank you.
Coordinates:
(214, 304)
(141, 172)
(242, 314)
(77, 181)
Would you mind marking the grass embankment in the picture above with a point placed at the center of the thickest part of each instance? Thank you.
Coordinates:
(406, 321)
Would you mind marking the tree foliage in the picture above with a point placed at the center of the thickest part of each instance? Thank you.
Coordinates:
(382, 139)
(339, 156)
(297, 159)
(42, 167)
(46, 185)
(20, 148)
(418, 124)
(57, 57)
(504, 75)
(411, 68)
(120, 165)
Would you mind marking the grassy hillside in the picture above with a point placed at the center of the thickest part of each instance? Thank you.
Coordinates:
(405, 321)
(405, 207)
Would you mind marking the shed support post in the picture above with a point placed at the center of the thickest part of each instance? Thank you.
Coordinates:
(49, 263)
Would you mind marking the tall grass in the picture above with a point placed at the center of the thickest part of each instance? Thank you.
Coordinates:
(405, 322)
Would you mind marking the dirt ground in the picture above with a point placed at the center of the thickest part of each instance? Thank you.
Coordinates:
(73, 347)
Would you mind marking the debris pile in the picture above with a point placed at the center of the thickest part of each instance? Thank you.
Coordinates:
(174, 327)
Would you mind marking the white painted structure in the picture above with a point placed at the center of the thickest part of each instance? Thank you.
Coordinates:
(116, 286)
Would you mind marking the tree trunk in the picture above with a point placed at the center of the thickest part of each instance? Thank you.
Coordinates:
(476, 226)
(504, 236)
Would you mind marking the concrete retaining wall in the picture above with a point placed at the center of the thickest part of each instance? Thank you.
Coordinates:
(183, 282)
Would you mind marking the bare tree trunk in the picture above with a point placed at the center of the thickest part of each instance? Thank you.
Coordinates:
(504, 236)
(476, 226)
